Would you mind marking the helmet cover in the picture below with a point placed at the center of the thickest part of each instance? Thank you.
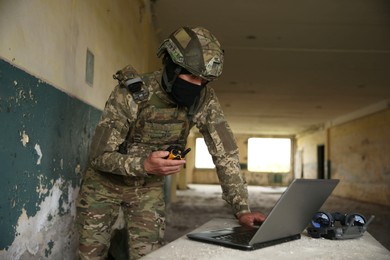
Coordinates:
(196, 50)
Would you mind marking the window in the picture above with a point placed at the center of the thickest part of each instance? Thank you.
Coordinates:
(269, 154)
(203, 159)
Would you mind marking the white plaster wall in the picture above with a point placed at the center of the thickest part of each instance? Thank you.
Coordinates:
(49, 39)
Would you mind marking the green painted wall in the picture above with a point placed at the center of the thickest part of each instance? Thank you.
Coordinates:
(44, 140)
(48, 111)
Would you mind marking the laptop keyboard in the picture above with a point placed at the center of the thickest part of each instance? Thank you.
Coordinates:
(238, 237)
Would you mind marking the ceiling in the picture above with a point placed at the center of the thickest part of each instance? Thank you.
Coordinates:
(291, 66)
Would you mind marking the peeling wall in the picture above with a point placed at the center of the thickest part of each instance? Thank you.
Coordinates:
(52, 227)
(48, 111)
(45, 136)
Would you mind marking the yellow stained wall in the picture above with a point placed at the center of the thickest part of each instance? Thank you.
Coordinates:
(357, 152)
(359, 155)
(306, 154)
(49, 39)
(360, 158)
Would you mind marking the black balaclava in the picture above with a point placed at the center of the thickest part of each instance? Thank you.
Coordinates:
(183, 92)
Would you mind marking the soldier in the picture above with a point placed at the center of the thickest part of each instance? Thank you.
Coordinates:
(122, 188)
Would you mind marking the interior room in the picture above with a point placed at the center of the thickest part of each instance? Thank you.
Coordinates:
(306, 83)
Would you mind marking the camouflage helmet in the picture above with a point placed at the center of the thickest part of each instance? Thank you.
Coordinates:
(196, 50)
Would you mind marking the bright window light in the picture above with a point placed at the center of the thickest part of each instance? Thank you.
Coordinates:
(269, 154)
(203, 159)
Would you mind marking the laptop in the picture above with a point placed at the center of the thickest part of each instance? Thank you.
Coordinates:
(287, 220)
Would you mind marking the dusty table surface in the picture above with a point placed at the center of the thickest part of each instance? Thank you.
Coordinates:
(365, 247)
(199, 204)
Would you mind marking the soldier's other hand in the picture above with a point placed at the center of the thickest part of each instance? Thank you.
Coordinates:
(156, 164)
(251, 218)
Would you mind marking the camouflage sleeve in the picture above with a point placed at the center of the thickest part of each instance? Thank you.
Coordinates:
(117, 118)
(224, 151)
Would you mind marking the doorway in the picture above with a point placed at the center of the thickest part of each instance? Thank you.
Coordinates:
(321, 161)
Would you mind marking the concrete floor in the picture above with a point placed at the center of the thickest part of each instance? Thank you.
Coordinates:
(201, 203)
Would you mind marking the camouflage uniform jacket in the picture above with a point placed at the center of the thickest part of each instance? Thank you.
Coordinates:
(120, 117)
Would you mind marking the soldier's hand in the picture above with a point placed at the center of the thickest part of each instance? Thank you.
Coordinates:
(251, 218)
(156, 164)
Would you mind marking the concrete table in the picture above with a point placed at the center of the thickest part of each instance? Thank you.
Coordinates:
(365, 247)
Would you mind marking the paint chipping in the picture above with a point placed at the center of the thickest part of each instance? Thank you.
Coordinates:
(25, 139)
(39, 152)
(21, 95)
(50, 246)
(31, 95)
(35, 235)
(77, 170)
(41, 189)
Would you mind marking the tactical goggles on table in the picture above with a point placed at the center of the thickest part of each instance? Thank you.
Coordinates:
(337, 225)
